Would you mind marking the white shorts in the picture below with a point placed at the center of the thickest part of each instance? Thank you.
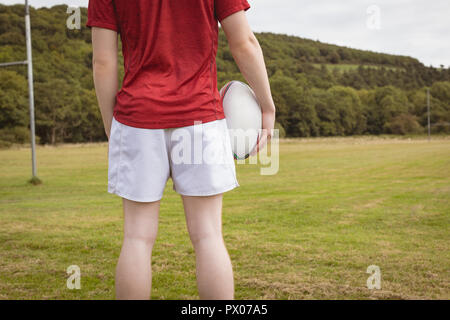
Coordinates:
(198, 158)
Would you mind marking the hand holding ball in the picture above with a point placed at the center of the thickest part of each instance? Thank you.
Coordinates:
(244, 117)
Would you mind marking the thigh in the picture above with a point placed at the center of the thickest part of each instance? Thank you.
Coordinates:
(203, 216)
(141, 219)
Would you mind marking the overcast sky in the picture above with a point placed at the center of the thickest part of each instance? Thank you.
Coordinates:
(418, 28)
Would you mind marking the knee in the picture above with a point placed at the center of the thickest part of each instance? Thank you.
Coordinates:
(205, 237)
(147, 239)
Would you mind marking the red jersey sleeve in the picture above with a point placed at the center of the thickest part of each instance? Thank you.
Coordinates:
(225, 8)
(102, 13)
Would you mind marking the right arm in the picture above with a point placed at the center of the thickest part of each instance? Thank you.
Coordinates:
(104, 67)
(249, 57)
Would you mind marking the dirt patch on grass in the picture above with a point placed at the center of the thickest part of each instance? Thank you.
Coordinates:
(369, 205)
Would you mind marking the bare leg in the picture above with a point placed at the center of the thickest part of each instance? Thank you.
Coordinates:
(214, 270)
(133, 272)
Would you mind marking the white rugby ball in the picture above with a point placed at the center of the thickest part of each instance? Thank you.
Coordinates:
(243, 116)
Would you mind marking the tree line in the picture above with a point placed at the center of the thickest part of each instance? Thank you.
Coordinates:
(319, 89)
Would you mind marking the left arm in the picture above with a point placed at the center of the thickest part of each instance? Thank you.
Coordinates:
(105, 72)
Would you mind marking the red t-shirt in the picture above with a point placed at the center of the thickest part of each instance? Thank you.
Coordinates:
(169, 49)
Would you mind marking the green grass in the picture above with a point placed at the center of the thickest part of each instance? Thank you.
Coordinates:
(351, 67)
(335, 207)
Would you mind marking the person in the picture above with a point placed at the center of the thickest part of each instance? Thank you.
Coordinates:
(170, 89)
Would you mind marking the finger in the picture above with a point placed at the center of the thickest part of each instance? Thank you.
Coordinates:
(261, 143)
(252, 152)
(269, 134)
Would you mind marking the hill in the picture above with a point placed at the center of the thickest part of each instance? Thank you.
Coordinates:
(319, 89)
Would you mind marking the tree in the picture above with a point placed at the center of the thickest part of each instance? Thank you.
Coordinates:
(13, 100)
(403, 124)
(334, 57)
(57, 110)
(384, 104)
(339, 110)
(294, 108)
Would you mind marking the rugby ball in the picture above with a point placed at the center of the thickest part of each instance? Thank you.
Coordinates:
(243, 116)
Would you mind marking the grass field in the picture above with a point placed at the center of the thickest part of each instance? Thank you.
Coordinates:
(335, 207)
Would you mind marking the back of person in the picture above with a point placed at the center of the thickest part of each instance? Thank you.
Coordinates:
(169, 105)
(169, 49)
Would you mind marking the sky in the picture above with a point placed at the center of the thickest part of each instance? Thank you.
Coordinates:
(417, 28)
